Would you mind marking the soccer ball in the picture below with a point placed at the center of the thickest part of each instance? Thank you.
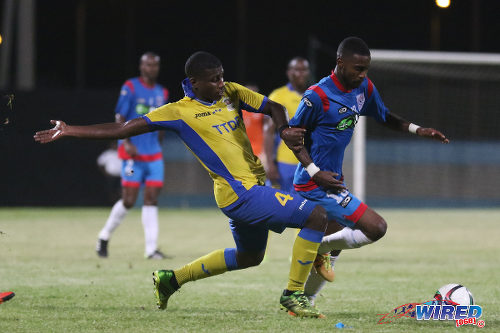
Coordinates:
(454, 294)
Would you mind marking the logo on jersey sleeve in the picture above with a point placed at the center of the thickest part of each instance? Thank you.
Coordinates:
(307, 102)
(229, 104)
(360, 99)
(343, 110)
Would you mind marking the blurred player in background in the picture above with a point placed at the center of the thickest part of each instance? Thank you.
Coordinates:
(329, 112)
(5, 296)
(208, 120)
(254, 125)
(142, 157)
(281, 160)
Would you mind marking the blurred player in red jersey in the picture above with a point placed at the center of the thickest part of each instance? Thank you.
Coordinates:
(142, 157)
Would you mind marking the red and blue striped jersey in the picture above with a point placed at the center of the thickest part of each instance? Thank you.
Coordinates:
(137, 99)
(330, 112)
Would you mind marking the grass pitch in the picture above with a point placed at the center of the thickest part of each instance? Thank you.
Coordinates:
(47, 258)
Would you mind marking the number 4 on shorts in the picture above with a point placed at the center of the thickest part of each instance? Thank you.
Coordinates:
(283, 198)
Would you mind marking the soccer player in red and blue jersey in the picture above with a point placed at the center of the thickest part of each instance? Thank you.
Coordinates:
(329, 111)
(141, 155)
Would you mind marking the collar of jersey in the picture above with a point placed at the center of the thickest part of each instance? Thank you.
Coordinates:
(145, 85)
(338, 84)
(188, 91)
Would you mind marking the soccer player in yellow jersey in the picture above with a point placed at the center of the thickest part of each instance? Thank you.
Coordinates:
(282, 162)
(208, 120)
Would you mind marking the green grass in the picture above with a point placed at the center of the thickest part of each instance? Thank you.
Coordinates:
(47, 258)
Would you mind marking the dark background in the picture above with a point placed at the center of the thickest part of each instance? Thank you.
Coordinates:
(85, 50)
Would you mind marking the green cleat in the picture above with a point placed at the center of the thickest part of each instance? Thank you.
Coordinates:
(298, 305)
(164, 287)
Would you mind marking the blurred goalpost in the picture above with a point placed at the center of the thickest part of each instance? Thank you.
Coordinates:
(385, 58)
(433, 79)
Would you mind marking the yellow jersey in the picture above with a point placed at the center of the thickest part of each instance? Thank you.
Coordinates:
(290, 99)
(216, 135)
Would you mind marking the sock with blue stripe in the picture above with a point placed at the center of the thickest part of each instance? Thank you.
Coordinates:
(304, 252)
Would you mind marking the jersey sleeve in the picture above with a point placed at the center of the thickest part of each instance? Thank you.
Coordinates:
(125, 100)
(375, 106)
(165, 117)
(249, 100)
(308, 111)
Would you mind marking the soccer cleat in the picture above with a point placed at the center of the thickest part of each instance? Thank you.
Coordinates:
(5, 296)
(102, 248)
(323, 266)
(164, 287)
(297, 304)
(158, 255)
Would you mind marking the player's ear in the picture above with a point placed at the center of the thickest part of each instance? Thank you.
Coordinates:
(340, 62)
(193, 81)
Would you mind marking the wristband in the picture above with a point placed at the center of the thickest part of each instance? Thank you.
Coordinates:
(282, 128)
(412, 128)
(312, 169)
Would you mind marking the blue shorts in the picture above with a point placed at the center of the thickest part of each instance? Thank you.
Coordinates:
(287, 171)
(135, 173)
(343, 207)
(261, 209)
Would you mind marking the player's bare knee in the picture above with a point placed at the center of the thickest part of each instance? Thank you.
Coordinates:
(317, 220)
(379, 229)
(128, 203)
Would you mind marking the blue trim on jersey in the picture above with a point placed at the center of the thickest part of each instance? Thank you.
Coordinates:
(264, 102)
(290, 87)
(200, 148)
(188, 88)
(230, 258)
(247, 107)
(188, 91)
(311, 235)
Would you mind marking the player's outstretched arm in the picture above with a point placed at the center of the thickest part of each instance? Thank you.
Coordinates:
(97, 131)
(293, 137)
(395, 122)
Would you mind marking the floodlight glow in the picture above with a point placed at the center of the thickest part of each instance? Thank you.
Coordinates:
(443, 3)
(1, 39)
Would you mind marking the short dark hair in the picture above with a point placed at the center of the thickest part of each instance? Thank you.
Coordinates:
(200, 61)
(352, 45)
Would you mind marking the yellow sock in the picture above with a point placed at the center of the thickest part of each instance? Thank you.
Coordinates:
(304, 252)
(209, 265)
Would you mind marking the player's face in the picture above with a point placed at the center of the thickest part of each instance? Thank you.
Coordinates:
(210, 85)
(150, 67)
(298, 73)
(352, 70)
